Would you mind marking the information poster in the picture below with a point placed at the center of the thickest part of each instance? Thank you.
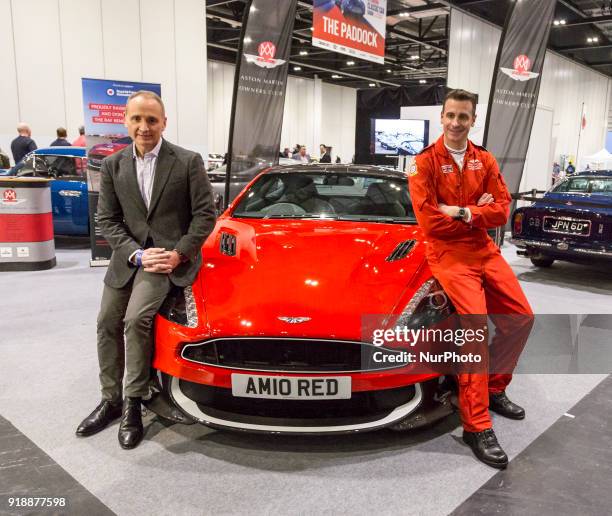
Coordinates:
(352, 27)
(104, 109)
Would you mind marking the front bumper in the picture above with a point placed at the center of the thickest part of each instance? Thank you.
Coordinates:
(418, 405)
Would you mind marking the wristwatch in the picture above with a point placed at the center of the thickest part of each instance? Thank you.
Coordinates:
(182, 257)
(461, 214)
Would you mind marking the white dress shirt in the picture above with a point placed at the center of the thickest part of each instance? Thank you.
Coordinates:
(145, 171)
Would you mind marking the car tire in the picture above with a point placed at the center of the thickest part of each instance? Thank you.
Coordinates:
(542, 262)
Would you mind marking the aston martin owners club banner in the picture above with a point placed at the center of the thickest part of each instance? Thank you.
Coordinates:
(352, 27)
(259, 91)
(516, 83)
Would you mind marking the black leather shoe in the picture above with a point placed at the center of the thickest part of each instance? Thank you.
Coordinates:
(130, 428)
(500, 404)
(102, 416)
(486, 448)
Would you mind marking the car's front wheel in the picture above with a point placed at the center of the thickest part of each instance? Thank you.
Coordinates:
(542, 261)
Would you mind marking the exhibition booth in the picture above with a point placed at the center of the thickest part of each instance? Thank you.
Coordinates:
(310, 265)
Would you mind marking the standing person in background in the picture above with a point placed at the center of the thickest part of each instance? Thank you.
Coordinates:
(570, 169)
(23, 144)
(81, 140)
(556, 171)
(301, 155)
(60, 141)
(325, 155)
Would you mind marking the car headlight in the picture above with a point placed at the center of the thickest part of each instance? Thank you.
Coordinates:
(428, 306)
(180, 307)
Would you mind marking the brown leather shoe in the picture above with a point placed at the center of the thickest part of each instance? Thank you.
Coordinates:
(130, 428)
(102, 416)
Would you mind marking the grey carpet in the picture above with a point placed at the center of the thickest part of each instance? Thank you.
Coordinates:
(48, 383)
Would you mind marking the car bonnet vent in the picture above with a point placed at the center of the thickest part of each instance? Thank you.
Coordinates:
(401, 251)
(228, 244)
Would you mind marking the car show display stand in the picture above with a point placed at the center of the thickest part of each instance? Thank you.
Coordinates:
(26, 225)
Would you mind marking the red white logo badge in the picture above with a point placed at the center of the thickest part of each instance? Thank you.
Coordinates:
(522, 64)
(474, 164)
(265, 59)
(9, 195)
(447, 169)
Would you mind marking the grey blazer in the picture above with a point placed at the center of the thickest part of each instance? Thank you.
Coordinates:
(181, 213)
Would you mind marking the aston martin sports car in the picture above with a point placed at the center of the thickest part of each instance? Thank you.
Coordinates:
(272, 335)
(571, 222)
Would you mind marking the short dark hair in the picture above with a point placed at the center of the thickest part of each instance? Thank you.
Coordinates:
(81, 129)
(61, 132)
(461, 95)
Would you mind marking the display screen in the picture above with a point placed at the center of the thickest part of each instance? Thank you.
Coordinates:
(404, 137)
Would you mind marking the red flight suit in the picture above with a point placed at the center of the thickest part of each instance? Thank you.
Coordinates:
(466, 261)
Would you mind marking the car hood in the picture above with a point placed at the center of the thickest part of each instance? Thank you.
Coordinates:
(329, 271)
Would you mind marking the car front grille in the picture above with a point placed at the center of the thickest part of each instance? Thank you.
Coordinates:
(285, 355)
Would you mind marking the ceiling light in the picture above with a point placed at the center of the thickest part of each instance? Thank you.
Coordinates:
(589, 40)
(303, 52)
(335, 76)
(595, 39)
(414, 56)
(350, 63)
(562, 22)
(556, 22)
(422, 81)
(297, 68)
(247, 40)
(404, 14)
(372, 84)
(389, 70)
(311, 28)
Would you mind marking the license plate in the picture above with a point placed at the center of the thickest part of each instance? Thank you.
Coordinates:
(291, 387)
(567, 226)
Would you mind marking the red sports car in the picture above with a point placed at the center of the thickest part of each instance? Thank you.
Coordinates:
(270, 337)
(98, 152)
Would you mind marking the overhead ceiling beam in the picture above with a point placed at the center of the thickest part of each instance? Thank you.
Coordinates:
(215, 3)
(320, 68)
(418, 9)
(585, 21)
(577, 49)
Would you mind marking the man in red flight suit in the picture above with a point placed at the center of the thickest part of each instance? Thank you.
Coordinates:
(457, 194)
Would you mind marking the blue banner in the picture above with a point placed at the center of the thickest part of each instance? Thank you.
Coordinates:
(104, 109)
(104, 104)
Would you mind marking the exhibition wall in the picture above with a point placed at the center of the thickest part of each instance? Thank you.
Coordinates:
(46, 47)
(565, 86)
(315, 112)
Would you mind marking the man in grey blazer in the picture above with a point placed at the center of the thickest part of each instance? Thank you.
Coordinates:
(155, 209)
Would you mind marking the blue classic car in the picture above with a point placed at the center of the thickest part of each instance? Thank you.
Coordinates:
(571, 222)
(66, 167)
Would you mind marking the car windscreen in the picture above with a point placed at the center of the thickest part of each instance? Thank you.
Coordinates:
(343, 196)
(598, 185)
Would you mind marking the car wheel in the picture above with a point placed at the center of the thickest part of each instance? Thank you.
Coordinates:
(542, 262)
